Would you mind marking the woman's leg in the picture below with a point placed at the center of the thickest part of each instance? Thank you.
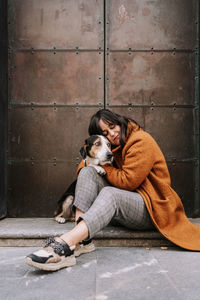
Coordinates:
(89, 184)
(127, 208)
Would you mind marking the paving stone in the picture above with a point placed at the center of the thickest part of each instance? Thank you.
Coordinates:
(107, 273)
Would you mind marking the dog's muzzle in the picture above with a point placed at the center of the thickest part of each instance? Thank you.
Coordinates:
(109, 156)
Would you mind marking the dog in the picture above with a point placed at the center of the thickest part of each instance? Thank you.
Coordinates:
(95, 152)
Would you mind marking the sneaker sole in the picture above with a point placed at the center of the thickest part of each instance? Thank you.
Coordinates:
(84, 249)
(65, 262)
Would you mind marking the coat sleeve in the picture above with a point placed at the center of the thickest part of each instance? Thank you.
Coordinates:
(137, 164)
(80, 166)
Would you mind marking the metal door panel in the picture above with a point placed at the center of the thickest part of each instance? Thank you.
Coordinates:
(34, 188)
(135, 113)
(144, 24)
(68, 58)
(56, 24)
(61, 77)
(151, 78)
(36, 135)
(183, 182)
(173, 129)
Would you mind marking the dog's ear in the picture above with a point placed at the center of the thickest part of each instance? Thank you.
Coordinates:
(83, 152)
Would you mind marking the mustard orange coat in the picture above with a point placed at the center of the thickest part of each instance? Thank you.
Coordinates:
(142, 167)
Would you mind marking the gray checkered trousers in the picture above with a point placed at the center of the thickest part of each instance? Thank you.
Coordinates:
(102, 203)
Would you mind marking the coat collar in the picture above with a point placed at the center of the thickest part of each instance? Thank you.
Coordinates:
(132, 127)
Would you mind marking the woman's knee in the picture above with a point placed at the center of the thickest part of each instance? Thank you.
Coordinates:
(88, 172)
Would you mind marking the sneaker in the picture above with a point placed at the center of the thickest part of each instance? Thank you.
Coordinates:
(54, 256)
(85, 246)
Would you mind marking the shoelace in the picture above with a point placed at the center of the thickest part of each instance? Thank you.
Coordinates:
(49, 241)
(57, 247)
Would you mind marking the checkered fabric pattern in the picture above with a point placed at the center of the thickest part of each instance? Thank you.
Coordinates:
(102, 203)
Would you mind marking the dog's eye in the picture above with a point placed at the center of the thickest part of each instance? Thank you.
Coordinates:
(109, 145)
(97, 144)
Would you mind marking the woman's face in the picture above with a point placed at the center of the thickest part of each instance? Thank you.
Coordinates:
(111, 131)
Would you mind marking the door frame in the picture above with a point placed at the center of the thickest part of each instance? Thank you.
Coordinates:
(3, 106)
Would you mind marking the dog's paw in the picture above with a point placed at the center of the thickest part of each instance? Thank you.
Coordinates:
(100, 170)
(60, 220)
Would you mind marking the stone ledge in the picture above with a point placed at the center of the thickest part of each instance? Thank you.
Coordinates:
(23, 232)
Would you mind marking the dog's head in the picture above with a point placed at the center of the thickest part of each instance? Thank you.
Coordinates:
(99, 148)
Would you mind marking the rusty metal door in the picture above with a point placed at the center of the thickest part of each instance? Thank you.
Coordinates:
(152, 76)
(68, 58)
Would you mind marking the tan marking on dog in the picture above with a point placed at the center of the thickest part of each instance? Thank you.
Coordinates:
(95, 149)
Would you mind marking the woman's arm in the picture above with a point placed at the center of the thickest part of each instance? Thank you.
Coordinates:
(138, 161)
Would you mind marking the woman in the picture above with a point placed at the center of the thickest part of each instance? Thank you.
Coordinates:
(135, 192)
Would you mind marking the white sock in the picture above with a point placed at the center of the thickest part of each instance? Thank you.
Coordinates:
(72, 247)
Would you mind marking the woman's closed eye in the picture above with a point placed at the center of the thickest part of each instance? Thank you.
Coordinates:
(112, 126)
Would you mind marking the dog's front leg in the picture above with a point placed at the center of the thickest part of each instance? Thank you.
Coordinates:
(99, 170)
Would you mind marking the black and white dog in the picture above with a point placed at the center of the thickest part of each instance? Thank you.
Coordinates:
(95, 152)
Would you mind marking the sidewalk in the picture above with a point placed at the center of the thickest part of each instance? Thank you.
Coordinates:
(107, 273)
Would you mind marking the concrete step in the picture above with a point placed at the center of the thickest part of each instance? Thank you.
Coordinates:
(31, 232)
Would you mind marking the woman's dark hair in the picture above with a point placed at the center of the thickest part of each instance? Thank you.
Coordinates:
(110, 117)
